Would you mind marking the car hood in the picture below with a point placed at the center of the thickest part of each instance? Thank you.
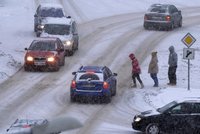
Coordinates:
(149, 113)
(41, 53)
(61, 37)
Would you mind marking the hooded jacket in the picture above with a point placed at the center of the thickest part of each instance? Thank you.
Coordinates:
(153, 65)
(173, 58)
(135, 64)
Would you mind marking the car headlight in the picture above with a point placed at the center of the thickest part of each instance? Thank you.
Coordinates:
(68, 43)
(137, 119)
(41, 26)
(29, 58)
(50, 59)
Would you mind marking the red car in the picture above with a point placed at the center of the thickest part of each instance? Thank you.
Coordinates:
(44, 53)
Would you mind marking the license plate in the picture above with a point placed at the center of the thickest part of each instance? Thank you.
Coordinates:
(39, 63)
(89, 85)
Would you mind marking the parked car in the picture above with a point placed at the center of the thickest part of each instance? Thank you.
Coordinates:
(45, 54)
(46, 10)
(28, 126)
(63, 28)
(177, 117)
(162, 16)
(93, 83)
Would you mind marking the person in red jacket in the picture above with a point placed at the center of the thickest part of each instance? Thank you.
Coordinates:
(135, 71)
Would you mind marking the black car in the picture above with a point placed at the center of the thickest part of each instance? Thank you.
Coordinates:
(93, 83)
(46, 10)
(162, 16)
(174, 118)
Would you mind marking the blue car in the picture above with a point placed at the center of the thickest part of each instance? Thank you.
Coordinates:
(93, 83)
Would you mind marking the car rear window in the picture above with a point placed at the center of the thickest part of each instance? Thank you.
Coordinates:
(158, 9)
(89, 76)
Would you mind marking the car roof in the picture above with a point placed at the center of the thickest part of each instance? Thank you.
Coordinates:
(54, 20)
(97, 69)
(189, 100)
(50, 5)
(46, 39)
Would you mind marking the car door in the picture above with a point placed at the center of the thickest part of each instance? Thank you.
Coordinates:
(195, 114)
(111, 78)
(175, 14)
(178, 118)
(60, 49)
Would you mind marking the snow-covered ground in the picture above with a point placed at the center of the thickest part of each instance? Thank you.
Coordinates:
(17, 32)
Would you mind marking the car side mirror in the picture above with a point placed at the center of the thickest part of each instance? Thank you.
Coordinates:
(115, 74)
(7, 129)
(25, 48)
(73, 73)
(68, 17)
(35, 15)
(179, 11)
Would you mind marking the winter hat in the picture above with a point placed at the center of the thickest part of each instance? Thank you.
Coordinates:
(153, 53)
(131, 55)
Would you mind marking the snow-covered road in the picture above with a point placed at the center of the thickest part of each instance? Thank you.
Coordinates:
(106, 40)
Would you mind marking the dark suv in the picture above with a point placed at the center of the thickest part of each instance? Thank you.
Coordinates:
(47, 10)
(93, 83)
(44, 53)
(177, 117)
(162, 16)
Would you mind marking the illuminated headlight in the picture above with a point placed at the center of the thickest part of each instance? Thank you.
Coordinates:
(41, 26)
(50, 59)
(29, 58)
(137, 119)
(68, 43)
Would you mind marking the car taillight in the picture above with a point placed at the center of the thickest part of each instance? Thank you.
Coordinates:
(73, 84)
(167, 18)
(26, 126)
(105, 85)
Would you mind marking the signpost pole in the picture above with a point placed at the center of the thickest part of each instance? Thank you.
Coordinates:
(188, 74)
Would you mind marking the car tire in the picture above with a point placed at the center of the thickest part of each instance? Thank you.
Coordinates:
(115, 89)
(57, 66)
(152, 128)
(107, 99)
(72, 99)
(180, 23)
(63, 62)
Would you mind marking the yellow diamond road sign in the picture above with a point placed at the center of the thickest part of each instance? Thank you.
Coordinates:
(188, 40)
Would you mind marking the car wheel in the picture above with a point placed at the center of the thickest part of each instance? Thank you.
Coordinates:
(152, 128)
(115, 89)
(72, 99)
(57, 66)
(180, 23)
(63, 62)
(107, 99)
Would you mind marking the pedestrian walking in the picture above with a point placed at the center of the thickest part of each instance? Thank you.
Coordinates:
(153, 68)
(135, 71)
(172, 62)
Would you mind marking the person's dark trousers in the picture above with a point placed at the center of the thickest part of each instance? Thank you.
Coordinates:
(172, 75)
(134, 76)
(155, 79)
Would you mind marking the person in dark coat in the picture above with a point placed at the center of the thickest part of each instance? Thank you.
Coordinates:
(135, 71)
(172, 62)
(153, 68)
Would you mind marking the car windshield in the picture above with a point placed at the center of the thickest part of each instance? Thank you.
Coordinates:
(164, 108)
(51, 12)
(42, 45)
(158, 9)
(57, 29)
